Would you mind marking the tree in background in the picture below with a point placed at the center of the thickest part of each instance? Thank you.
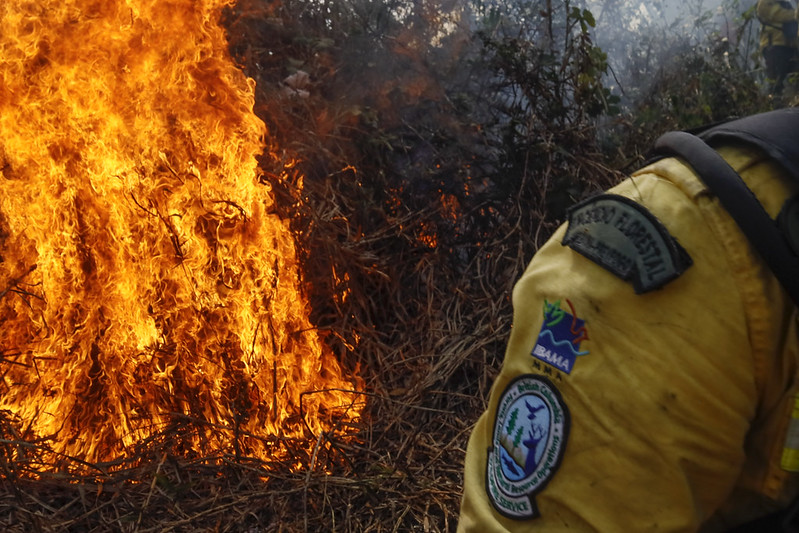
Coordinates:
(435, 144)
(439, 142)
(421, 150)
(678, 66)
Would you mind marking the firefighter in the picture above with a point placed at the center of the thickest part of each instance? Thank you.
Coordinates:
(778, 40)
(650, 378)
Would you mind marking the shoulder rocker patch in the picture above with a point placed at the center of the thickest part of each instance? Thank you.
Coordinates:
(626, 239)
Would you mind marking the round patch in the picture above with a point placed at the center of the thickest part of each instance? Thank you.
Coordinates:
(530, 432)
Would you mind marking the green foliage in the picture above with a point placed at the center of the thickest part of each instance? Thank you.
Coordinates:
(432, 147)
(548, 90)
(696, 74)
(459, 122)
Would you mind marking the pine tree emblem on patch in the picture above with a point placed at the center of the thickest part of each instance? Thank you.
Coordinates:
(530, 432)
(558, 343)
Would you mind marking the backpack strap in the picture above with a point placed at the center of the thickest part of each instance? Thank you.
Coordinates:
(774, 132)
(753, 220)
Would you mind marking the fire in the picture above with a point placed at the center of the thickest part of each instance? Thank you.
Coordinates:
(144, 275)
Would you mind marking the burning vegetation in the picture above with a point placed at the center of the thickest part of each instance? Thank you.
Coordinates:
(256, 259)
(149, 282)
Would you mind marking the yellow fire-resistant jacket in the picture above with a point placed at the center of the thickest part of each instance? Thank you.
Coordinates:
(772, 15)
(661, 411)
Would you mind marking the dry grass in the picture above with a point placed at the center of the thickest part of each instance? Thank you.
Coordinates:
(423, 325)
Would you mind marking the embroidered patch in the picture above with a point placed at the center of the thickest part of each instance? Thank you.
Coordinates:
(558, 342)
(530, 433)
(626, 239)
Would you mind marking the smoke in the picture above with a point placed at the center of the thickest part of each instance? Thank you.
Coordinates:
(642, 38)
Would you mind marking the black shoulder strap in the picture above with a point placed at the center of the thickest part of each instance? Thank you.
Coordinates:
(776, 133)
(761, 230)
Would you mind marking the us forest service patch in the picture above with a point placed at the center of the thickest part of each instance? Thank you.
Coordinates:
(530, 432)
(626, 239)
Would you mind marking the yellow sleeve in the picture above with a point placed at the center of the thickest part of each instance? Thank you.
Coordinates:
(617, 411)
(775, 12)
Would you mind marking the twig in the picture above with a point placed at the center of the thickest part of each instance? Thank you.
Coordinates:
(14, 281)
(152, 488)
(311, 467)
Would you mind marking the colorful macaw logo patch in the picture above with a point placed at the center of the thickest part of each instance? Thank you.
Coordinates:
(530, 432)
(558, 343)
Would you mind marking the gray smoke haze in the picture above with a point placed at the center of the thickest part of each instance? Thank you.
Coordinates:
(641, 37)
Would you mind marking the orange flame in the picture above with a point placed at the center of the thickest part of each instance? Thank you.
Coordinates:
(144, 276)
